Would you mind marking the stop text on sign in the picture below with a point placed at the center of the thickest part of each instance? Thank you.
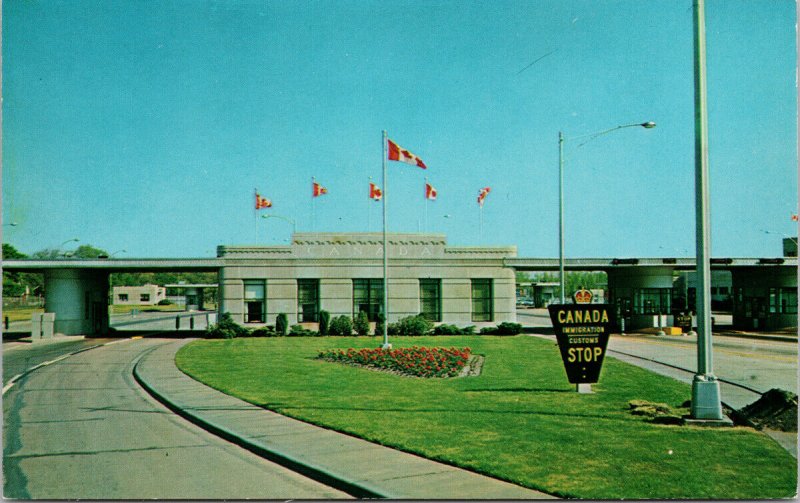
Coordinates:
(582, 332)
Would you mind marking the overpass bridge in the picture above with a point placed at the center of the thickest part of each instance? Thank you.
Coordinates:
(76, 290)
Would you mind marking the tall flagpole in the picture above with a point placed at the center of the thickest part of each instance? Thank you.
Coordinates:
(426, 203)
(369, 207)
(480, 223)
(386, 344)
(313, 205)
(255, 213)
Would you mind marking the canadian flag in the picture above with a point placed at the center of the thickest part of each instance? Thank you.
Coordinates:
(375, 192)
(317, 190)
(482, 195)
(396, 153)
(794, 217)
(262, 202)
(430, 192)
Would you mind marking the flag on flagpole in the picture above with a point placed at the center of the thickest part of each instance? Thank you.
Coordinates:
(430, 192)
(262, 202)
(397, 153)
(482, 195)
(375, 192)
(317, 190)
(794, 217)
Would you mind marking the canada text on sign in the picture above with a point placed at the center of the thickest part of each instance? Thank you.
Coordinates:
(582, 333)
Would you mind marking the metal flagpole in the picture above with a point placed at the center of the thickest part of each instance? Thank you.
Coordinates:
(480, 223)
(255, 212)
(313, 205)
(426, 203)
(369, 207)
(386, 344)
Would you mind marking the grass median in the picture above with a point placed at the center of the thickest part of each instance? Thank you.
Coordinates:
(520, 420)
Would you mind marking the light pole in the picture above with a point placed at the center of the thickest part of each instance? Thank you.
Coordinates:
(589, 137)
(73, 240)
(118, 251)
(285, 219)
(706, 402)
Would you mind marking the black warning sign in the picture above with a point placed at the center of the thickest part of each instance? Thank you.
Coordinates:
(582, 333)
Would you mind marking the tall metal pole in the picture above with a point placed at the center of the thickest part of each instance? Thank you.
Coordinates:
(386, 344)
(426, 204)
(561, 212)
(705, 387)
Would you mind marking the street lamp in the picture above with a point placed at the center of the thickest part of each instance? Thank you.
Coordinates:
(285, 219)
(118, 251)
(706, 400)
(65, 254)
(589, 137)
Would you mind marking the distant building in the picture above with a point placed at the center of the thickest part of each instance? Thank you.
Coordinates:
(146, 295)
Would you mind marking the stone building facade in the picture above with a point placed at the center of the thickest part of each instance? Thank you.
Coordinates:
(343, 274)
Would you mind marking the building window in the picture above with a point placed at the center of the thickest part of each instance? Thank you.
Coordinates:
(254, 301)
(123, 297)
(307, 300)
(430, 299)
(368, 297)
(482, 308)
(783, 301)
(651, 301)
(144, 297)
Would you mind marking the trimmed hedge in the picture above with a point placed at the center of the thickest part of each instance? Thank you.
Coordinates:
(341, 325)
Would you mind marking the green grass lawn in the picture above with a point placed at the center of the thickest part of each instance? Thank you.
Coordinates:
(520, 420)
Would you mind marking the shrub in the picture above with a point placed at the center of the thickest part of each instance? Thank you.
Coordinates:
(299, 331)
(505, 328)
(225, 328)
(282, 324)
(263, 332)
(324, 322)
(411, 325)
(508, 328)
(445, 329)
(380, 324)
(164, 302)
(341, 325)
(361, 325)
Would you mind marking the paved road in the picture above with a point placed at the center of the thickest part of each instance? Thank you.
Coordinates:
(21, 356)
(82, 428)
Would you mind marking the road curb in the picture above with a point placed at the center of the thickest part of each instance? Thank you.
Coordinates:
(358, 490)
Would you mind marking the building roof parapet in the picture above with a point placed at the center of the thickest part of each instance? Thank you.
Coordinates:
(367, 238)
(253, 251)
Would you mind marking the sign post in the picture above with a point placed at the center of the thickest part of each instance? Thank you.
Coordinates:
(582, 332)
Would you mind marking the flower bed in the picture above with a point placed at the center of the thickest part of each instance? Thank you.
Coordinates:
(414, 361)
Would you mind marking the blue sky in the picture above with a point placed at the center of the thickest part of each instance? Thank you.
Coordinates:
(145, 125)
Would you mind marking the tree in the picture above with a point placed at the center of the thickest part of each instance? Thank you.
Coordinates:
(16, 284)
(11, 253)
(88, 251)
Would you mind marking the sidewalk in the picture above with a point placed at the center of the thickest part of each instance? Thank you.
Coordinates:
(356, 466)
